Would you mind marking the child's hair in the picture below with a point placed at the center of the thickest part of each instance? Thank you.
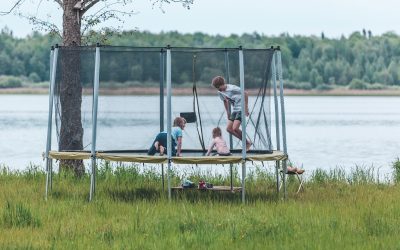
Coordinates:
(218, 81)
(179, 122)
(216, 132)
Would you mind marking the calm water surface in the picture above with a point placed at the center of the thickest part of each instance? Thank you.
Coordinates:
(322, 132)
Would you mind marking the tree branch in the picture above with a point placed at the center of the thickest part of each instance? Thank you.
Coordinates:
(43, 25)
(17, 3)
(60, 2)
(90, 5)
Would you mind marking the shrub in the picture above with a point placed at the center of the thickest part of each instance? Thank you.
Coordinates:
(305, 85)
(375, 86)
(10, 82)
(290, 85)
(34, 77)
(357, 84)
(298, 85)
(323, 87)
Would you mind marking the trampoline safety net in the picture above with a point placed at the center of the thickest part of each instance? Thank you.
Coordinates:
(132, 103)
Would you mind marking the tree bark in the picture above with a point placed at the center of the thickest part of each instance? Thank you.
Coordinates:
(71, 130)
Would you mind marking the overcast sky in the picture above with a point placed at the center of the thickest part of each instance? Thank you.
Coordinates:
(301, 17)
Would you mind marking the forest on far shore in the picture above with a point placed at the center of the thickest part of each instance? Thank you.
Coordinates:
(359, 61)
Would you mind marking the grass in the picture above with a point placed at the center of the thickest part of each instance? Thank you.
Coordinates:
(130, 211)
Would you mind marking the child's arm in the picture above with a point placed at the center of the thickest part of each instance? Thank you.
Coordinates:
(179, 146)
(210, 148)
(226, 105)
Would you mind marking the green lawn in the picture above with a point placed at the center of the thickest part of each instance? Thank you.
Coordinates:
(337, 210)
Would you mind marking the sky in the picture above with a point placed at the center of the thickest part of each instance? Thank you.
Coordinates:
(296, 17)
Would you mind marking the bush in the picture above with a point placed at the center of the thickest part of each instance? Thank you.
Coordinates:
(375, 86)
(10, 82)
(305, 85)
(357, 84)
(34, 77)
(323, 87)
(298, 85)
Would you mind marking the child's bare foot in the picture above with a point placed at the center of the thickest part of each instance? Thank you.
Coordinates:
(156, 145)
(162, 149)
(300, 171)
(248, 145)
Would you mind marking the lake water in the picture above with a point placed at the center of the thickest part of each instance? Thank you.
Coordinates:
(322, 132)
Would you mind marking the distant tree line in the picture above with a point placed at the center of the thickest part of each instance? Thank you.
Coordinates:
(359, 61)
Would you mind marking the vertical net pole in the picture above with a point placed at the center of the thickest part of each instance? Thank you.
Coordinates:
(278, 144)
(243, 116)
(280, 78)
(169, 120)
(53, 66)
(227, 77)
(94, 121)
(162, 57)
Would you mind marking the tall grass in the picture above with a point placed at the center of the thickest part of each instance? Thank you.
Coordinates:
(338, 209)
(396, 171)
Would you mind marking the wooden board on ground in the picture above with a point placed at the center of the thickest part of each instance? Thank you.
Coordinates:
(215, 188)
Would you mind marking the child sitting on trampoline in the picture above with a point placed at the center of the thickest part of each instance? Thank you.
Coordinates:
(231, 95)
(160, 142)
(219, 143)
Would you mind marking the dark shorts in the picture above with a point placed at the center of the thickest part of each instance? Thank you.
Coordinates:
(235, 116)
(162, 140)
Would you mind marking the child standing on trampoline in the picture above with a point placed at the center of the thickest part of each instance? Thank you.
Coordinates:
(231, 96)
(219, 143)
(160, 142)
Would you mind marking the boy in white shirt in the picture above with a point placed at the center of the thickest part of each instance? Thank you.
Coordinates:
(230, 95)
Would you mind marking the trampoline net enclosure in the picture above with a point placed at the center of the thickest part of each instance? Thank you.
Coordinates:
(132, 99)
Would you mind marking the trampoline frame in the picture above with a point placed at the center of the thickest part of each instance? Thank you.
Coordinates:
(280, 157)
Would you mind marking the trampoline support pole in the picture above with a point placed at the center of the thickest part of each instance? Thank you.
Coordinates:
(280, 78)
(277, 124)
(231, 172)
(227, 77)
(169, 179)
(94, 122)
(51, 174)
(244, 124)
(162, 73)
(244, 181)
(277, 166)
(162, 177)
(49, 165)
(169, 119)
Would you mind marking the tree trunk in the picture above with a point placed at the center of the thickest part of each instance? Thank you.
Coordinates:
(71, 131)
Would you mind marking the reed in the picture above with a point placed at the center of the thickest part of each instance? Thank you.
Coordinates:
(338, 209)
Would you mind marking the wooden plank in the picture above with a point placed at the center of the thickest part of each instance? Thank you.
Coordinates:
(215, 188)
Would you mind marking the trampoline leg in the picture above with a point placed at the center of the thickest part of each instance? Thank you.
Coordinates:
(162, 177)
(277, 166)
(92, 179)
(51, 174)
(47, 177)
(231, 171)
(243, 181)
(169, 180)
(284, 179)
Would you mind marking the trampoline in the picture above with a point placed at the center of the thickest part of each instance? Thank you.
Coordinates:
(107, 125)
(188, 156)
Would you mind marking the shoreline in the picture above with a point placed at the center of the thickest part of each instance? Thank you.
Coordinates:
(210, 91)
